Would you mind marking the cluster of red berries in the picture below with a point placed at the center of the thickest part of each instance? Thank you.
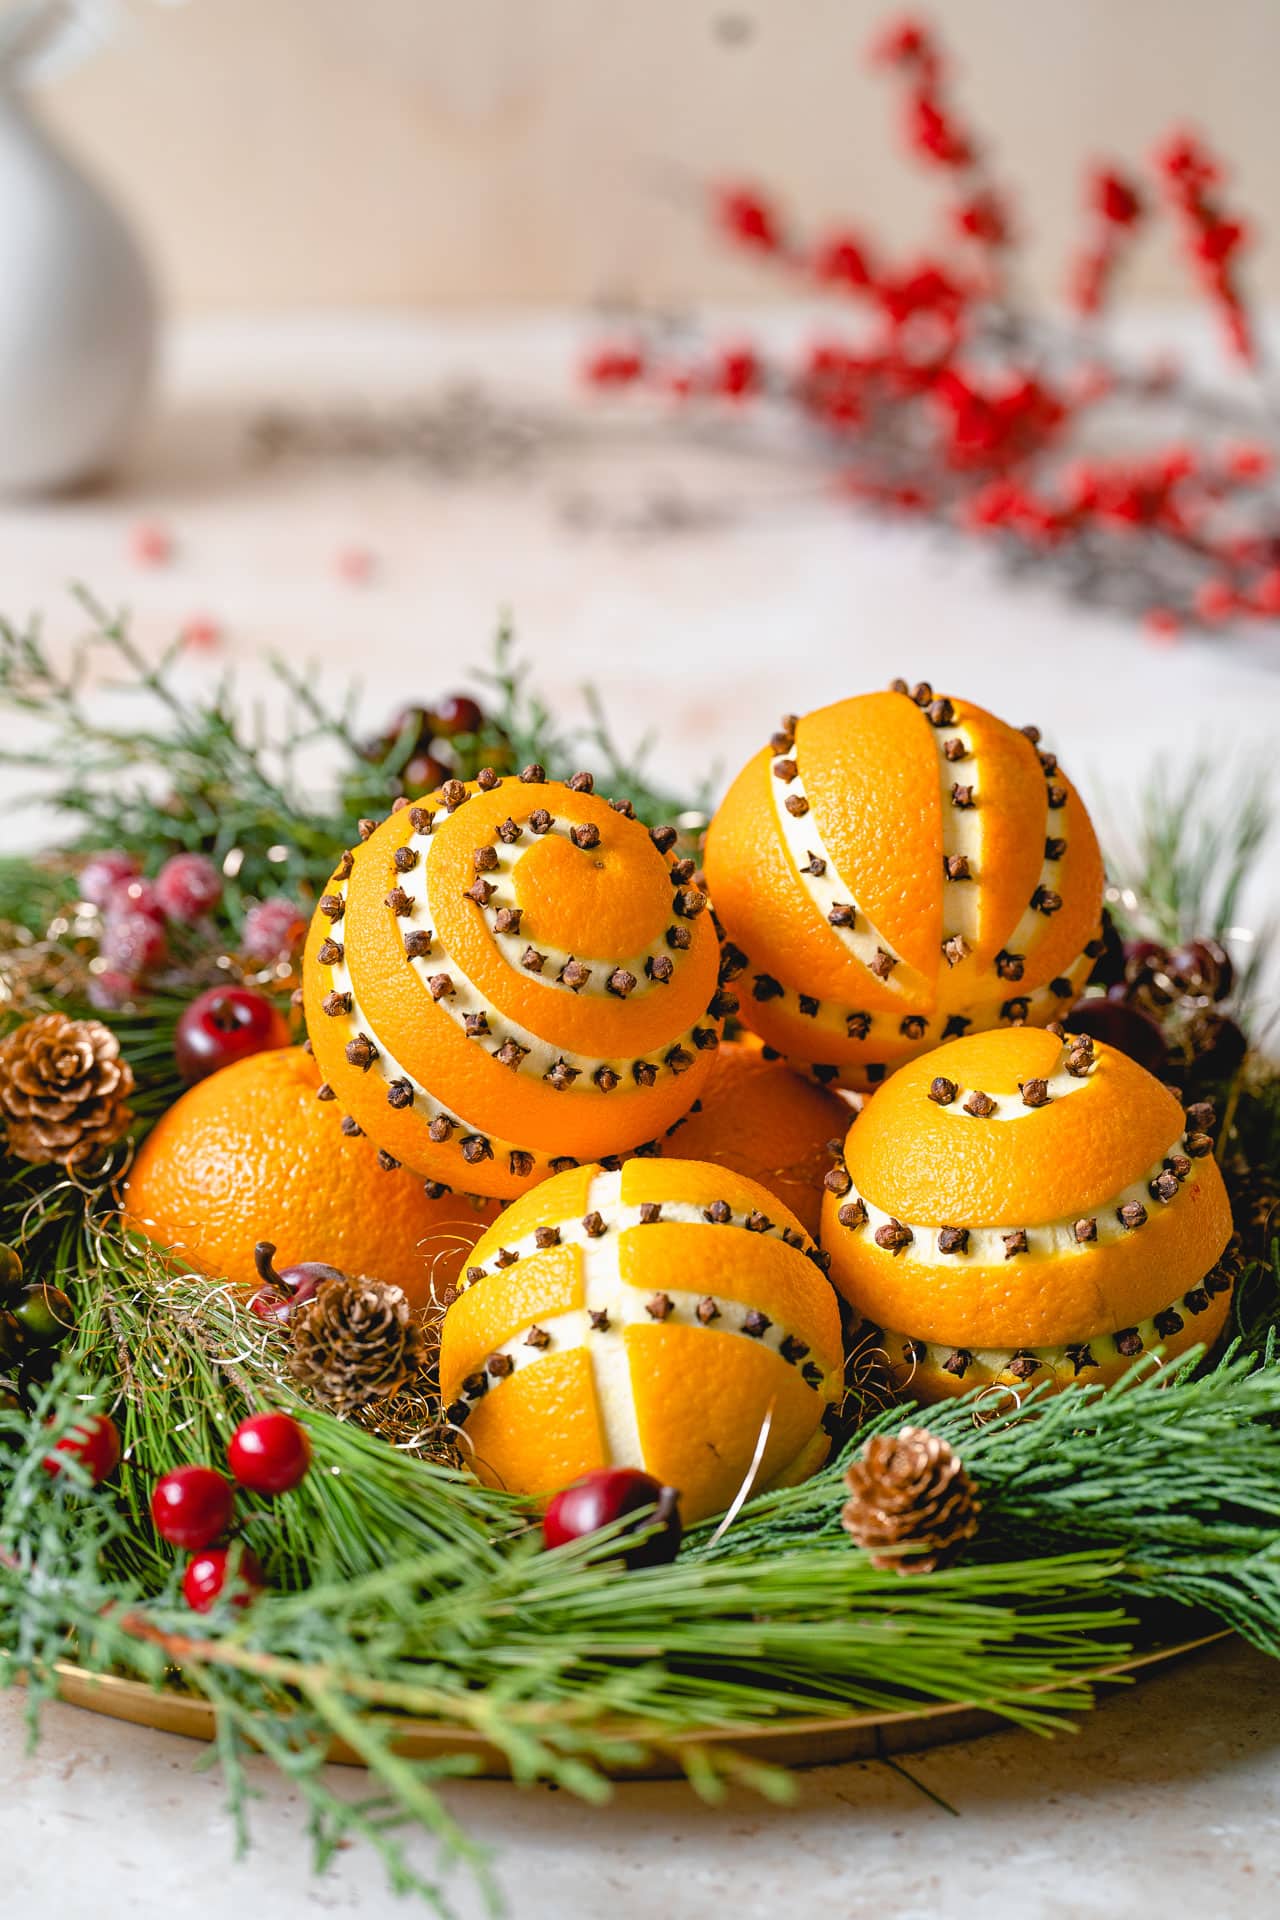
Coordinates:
(949, 404)
(140, 918)
(193, 1507)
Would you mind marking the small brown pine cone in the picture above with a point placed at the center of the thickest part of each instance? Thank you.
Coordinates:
(911, 1504)
(354, 1341)
(63, 1090)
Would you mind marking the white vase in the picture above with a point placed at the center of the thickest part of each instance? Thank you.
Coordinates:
(77, 314)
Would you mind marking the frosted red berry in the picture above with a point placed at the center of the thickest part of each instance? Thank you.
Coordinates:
(223, 1025)
(269, 1453)
(233, 1570)
(188, 887)
(191, 1506)
(274, 929)
(134, 944)
(134, 895)
(747, 217)
(614, 1493)
(103, 872)
(111, 989)
(94, 1442)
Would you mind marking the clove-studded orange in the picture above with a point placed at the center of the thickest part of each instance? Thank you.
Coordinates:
(668, 1315)
(759, 1118)
(1019, 1208)
(509, 978)
(896, 870)
(250, 1154)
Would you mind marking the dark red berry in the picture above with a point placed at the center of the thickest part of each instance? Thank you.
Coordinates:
(102, 873)
(188, 887)
(612, 1493)
(1118, 1023)
(208, 1572)
(1202, 970)
(226, 1024)
(424, 774)
(191, 1506)
(282, 1291)
(457, 713)
(94, 1441)
(1218, 1046)
(269, 1453)
(1146, 973)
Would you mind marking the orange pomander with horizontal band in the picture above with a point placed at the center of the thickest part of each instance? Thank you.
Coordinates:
(896, 870)
(508, 978)
(669, 1315)
(1020, 1208)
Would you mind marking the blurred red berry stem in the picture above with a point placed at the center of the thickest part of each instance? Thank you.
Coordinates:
(950, 400)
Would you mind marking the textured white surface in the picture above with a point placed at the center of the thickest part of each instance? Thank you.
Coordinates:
(1167, 1798)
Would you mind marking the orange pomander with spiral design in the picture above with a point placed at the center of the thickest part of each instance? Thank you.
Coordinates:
(897, 870)
(510, 977)
(1020, 1209)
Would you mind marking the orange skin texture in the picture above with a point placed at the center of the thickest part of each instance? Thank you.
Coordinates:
(761, 1119)
(930, 1383)
(604, 905)
(250, 1154)
(878, 791)
(700, 1394)
(930, 1166)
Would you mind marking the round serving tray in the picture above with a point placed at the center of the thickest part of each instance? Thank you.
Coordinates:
(786, 1742)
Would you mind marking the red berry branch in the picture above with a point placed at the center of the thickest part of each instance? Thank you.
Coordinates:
(942, 396)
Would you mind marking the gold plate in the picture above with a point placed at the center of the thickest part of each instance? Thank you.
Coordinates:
(787, 1742)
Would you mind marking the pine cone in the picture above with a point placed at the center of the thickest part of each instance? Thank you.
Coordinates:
(63, 1088)
(910, 1493)
(354, 1341)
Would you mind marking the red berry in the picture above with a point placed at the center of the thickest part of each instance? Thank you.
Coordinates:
(1266, 593)
(1115, 198)
(457, 713)
(188, 887)
(1162, 625)
(424, 773)
(94, 1442)
(612, 366)
(134, 895)
(201, 634)
(191, 1506)
(609, 1494)
(150, 544)
(747, 218)
(269, 1453)
(134, 944)
(226, 1024)
(102, 873)
(355, 565)
(111, 989)
(1215, 601)
(841, 260)
(207, 1574)
(273, 929)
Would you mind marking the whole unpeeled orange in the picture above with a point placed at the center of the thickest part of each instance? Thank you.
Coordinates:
(250, 1154)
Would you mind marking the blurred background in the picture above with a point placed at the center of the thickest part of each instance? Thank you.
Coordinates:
(418, 152)
(306, 378)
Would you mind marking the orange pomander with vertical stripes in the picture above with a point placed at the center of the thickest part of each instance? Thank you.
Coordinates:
(669, 1315)
(511, 977)
(897, 870)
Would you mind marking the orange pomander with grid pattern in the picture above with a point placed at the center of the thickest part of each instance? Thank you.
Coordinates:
(1019, 1208)
(896, 870)
(511, 977)
(668, 1315)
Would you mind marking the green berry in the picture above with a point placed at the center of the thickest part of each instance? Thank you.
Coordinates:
(45, 1315)
(10, 1271)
